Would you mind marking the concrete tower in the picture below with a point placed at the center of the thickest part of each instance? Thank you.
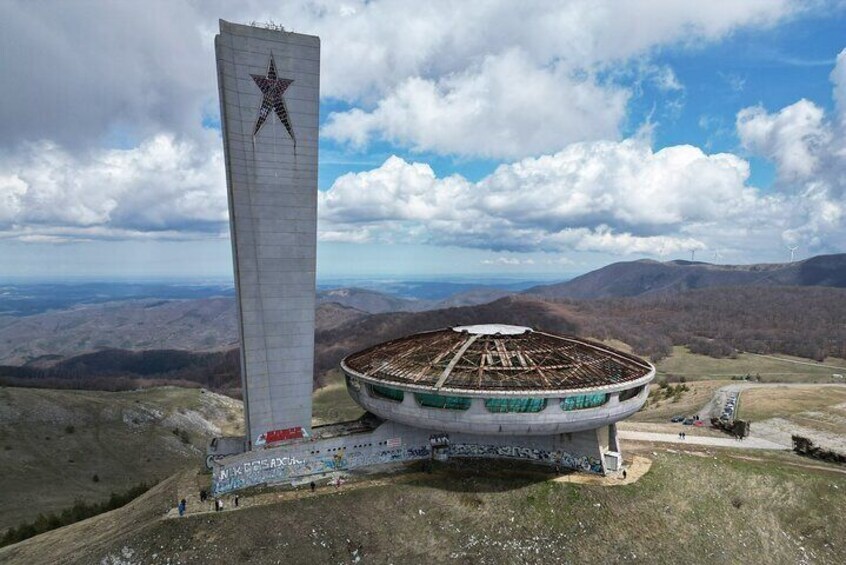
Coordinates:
(269, 83)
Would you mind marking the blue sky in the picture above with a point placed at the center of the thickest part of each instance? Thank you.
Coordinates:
(456, 140)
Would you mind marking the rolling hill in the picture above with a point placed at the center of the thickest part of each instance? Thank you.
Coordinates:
(693, 506)
(635, 278)
(370, 301)
(202, 325)
(54, 442)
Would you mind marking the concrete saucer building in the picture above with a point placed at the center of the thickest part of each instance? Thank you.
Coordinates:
(477, 391)
(495, 380)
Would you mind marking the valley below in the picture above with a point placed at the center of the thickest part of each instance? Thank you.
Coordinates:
(102, 396)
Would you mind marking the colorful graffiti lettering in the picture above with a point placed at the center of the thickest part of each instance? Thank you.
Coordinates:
(285, 469)
(582, 463)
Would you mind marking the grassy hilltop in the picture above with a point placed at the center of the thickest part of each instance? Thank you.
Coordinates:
(692, 507)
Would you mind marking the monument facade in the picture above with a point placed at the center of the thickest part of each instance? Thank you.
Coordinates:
(269, 83)
(486, 391)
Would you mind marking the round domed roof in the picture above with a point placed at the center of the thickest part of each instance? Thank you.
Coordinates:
(497, 358)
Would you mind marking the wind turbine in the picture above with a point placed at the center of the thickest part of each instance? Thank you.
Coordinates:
(792, 251)
(716, 256)
(692, 255)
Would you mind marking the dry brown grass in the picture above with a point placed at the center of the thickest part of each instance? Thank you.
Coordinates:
(781, 368)
(689, 402)
(782, 402)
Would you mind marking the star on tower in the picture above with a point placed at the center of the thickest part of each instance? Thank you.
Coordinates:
(272, 88)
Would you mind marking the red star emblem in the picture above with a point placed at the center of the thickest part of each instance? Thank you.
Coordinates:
(272, 89)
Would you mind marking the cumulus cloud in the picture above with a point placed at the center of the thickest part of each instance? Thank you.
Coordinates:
(163, 188)
(809, 152)
(506, 87)
(100, 132)
(612, 197)
(504, 108)
(838, 78)
(793, 137)
(95, 73)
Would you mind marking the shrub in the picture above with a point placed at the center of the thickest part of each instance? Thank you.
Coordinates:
(183, 435)
(69, 429)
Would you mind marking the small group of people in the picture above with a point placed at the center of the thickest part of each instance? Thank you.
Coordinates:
(204, 496)
(682, 435)
(218, 503)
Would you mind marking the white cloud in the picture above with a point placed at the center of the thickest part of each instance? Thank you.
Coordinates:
(838, 77)
(612, 197)
(504, 108)
(163, 188)
(508, 261)
(132, 70)
(809, 152)
(793, 137)
(458, 78)
(481, 82)
(371, 47)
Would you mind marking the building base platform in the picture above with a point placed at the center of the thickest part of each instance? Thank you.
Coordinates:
(369, 441)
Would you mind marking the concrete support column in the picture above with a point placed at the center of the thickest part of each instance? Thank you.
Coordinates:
(613, 443)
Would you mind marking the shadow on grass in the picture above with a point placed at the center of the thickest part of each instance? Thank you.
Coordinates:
(482, 475)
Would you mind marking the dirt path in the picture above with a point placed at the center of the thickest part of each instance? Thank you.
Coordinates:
(798, 362)
(748, 443)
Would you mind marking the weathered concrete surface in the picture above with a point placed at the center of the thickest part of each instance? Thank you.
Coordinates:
(271, 177)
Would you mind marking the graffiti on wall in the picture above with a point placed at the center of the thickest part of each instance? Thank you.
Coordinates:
(286, 469)
(582, 463)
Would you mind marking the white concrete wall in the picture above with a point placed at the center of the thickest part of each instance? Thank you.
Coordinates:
(479, 420)
(394, 443)
(272, 185)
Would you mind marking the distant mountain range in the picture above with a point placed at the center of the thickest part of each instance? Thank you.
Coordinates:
(351, 317)
(375, 302)
(635, 278)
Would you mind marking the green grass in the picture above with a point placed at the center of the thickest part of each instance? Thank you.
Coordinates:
(331, 403)
(683, 363)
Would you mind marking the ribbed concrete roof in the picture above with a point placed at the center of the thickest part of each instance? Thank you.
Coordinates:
(455, 360)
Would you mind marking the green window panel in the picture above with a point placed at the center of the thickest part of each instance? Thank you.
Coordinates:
(387, 393)
(439, 401)
(515, 404)
(583, 401)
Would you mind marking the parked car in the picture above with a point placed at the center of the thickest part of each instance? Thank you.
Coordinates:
(677, 419)
(688, 421)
